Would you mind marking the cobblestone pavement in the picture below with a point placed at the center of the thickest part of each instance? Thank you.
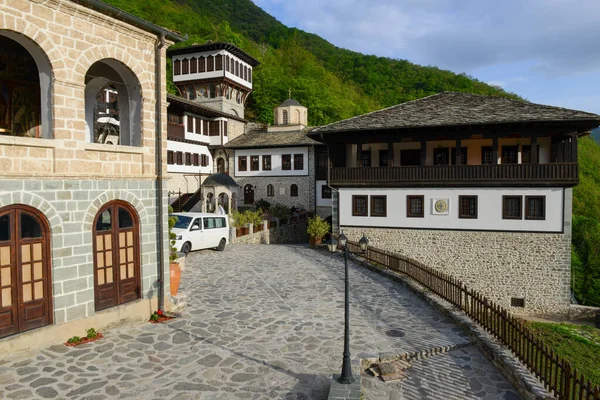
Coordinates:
(262, 322)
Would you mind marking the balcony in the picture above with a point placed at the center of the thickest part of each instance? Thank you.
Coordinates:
(556, 174)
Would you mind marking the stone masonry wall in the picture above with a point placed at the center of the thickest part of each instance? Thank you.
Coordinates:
(288, 233)
(501, 265)
(70, 207)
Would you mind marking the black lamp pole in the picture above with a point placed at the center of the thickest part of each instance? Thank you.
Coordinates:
(346, 376)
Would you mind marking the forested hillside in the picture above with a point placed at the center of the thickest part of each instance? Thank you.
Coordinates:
(333, 83)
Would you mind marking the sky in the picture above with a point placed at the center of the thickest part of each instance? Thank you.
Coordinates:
(547, 51)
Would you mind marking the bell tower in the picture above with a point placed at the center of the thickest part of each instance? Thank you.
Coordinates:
(216, 75)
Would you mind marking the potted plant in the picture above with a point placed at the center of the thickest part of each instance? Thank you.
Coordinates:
(175, 270)
(317, 228)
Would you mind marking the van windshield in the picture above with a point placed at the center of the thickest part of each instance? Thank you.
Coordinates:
(182, 222)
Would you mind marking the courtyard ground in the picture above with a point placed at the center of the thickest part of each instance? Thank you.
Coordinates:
(263, 322)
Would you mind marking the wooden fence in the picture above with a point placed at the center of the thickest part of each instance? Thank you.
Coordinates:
(553, 371)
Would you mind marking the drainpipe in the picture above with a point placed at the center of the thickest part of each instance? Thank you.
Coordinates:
(159, 173)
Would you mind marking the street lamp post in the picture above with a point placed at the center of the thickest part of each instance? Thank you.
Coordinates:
(346, 376)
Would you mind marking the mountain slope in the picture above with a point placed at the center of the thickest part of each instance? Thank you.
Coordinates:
(333, 83)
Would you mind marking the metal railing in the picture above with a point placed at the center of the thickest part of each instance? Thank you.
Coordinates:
(557, 375)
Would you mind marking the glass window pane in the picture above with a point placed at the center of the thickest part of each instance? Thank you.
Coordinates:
(30, 228)
(125, 219)
(5, 227)
(104, 221)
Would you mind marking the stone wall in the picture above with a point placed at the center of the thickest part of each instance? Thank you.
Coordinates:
(282, 234)
(533, 266)
(70, 206)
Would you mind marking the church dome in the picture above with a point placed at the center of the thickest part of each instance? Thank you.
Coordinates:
(290, 102)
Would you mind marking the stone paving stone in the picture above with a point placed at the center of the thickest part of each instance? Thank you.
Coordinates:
(262, 322)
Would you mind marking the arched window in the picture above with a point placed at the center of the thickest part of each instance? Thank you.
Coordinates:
(201, 64)
(294, 190)
(270, 191)
(185, 66)
(25, 76)
(112, 104)
(116, 255)
(25, 281)
(210, 63)
(177, 67)
(285, 117)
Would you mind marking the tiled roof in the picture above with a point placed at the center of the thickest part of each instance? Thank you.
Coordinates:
(261, 138)
(455, 109)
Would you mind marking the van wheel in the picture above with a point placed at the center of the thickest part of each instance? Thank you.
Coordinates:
(221, 245)
(185, 249)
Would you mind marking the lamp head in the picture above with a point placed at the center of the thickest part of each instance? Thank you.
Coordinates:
(342, 239)
(331, 244)
(363, 243)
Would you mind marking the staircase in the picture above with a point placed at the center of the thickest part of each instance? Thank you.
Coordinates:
(186, 201)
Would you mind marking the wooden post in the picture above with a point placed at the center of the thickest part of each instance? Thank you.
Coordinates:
(534, 150)
(423, 152)
(359, 155)
(495, 150)
(457, 152)
(573, 148)
(390, 154)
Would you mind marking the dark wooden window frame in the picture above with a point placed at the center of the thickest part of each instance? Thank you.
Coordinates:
(528, 216)
(487, 150)
(210, 63)
(254, 163)
(177, 67)
(185, 66)
(219, 62)
(188, 158)
(443, 154)
(355, 211)
(298, 162)
(242, 163)
(326, 192)
(293, 190)
(266, 163)
(505, 200)
(179, 158)
(374, 212)
(196, 160)
(270, 190)
(383, 155)
(286, 162)
(461, 210)
(513, 151)
(526, 154)
(201, 64)
(170, 157)
(409, 200)
(193, 65)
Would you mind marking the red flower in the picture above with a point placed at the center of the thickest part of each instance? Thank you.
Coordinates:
(159, 312)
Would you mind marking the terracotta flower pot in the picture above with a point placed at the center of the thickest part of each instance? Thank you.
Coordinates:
(315, 240)
(175, 278)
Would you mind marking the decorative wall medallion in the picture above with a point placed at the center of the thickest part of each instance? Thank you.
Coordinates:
(441, 206)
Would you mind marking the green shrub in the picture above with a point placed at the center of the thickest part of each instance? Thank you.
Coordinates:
(317, 227)
(280, 211)
(262, 205)
(91, 333)
(172, 236)
(241, 219)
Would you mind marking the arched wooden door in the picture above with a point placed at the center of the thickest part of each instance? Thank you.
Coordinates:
(116, 255)
(248, 194)
(25, 279)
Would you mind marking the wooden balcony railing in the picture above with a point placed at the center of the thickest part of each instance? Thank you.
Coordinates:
(562, 174)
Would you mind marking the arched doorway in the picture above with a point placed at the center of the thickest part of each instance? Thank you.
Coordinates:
(116, 255)
(25, 281)
(220, 165)
(223, 201)
(248, 194)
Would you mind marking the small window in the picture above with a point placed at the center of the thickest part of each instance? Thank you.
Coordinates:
(270, 191)
(179, 158)
(177, 67)
(298, 162)
(242, 163)
(383, 158)
(227, 63)
(294, 190)
(512, 207)
(365, 158)
(30, 228)
(463, 156)
(360, 206)
(441, 156)
(254, 163)
(190, 123)
(378, 206)
(487, 155)
(467, 207)
(196, 159)
(286, 162)
(170, 157)
(325, 192)
(237, 68)
(201, 64)
(535, 207)
(517, 301)
(266, 163)
(526, 154)
(219, 62)
(188, 158)
(125, 219)
(285, 117)
(5, 228)
(185, 66)
(415, 206)
(510, 154)
(210, 64)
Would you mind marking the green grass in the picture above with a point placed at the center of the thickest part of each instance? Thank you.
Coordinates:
(577, 344)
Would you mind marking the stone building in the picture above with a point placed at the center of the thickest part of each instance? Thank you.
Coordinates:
(479, 187)
(82, 150)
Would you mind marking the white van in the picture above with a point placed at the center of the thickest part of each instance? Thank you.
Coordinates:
(197, 231)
